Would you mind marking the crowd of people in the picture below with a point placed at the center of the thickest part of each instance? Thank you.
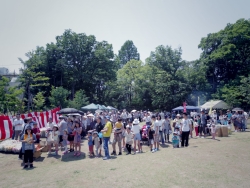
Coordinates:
(125, 129)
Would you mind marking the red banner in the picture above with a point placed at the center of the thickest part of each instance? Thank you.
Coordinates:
(184, 107)
(41, 118)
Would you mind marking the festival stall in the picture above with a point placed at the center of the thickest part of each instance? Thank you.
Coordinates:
(215, 104)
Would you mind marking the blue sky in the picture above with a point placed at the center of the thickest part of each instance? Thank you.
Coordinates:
(26, 24)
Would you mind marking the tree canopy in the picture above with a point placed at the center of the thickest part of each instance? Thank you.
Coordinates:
(77, 70)
(128, 52)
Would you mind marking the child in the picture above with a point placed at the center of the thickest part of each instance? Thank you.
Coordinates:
(213, 130)
(118, 129)
(96, 142)
(36, 131)
(52, 138)
(90, 143)
(151, 138)
(178, 133)
(55, 138)
(28, 148)
(77, 138)
(175, 140)
(129, 136)
(65, 139)
(196, 128)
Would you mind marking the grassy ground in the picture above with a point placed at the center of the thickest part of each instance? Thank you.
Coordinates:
(206, 163)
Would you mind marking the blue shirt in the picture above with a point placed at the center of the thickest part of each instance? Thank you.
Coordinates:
(90, 141)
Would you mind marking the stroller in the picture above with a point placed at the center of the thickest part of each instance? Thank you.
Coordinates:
(144, 134)
(175, 140)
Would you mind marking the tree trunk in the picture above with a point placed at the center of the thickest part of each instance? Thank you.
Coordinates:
(28, 98)
(73, 91)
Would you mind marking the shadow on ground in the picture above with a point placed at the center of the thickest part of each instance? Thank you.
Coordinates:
(70, 157)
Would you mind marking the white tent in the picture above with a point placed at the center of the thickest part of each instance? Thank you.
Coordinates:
(215, 104)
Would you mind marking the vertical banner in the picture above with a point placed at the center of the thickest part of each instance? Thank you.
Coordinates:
(5, 128)
(184, 107)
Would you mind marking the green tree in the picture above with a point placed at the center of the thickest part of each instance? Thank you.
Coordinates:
(80, 100)
(170, 88)
(39, 101)
(3, 89)
(9, 97)
(85, 60)
(131, 89)
(195, 74)
(32, 78)
(59, 97)
(227, 54)
(236, 95)
(128, 52)
(244, 88)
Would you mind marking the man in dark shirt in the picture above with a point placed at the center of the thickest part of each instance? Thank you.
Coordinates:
(203, 123)
(98, 128)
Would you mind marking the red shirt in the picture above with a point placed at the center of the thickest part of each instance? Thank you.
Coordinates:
(36, 130)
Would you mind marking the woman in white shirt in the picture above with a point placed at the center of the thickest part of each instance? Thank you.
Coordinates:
(186, 128)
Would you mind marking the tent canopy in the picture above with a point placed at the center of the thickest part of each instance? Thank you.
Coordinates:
(215, 104)
(111, 108)
(91, 106)
(187, 107)
(101, 107)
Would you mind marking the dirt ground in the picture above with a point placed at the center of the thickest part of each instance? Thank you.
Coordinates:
(224, 162)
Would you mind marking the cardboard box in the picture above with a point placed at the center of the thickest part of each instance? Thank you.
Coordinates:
(38, 152)
(218, 132)
(224, 131)
(43, 143)
(45, 149)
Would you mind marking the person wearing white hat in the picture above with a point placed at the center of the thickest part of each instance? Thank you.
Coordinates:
(52, 138)
(137, 135)
(177, 121)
